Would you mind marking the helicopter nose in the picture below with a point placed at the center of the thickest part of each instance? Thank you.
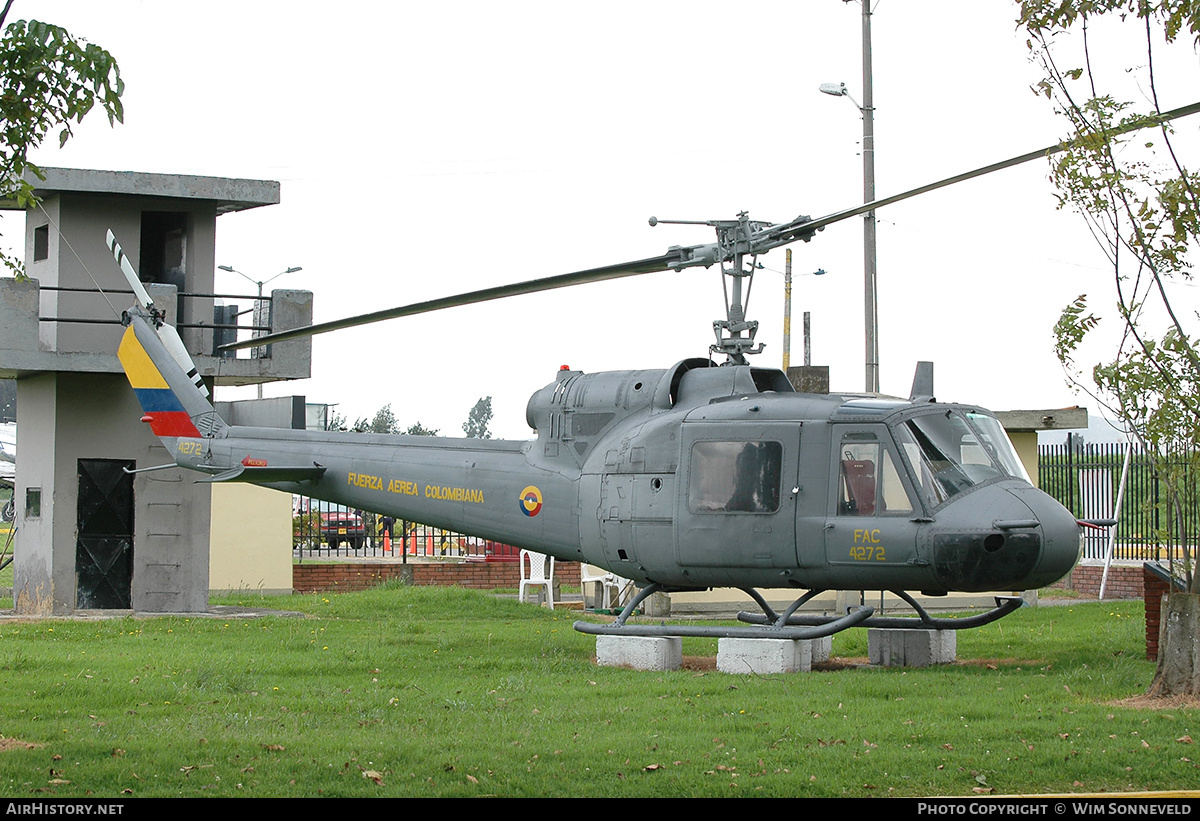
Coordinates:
(1062, 542)
(1007, 536)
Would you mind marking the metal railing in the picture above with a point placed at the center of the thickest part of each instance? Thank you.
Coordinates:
(325, 530)
(1153, 524)
(226, 322)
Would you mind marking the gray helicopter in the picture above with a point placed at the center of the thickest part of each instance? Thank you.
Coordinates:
(694, 476)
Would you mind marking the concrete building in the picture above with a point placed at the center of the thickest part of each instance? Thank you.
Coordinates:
(91, 535)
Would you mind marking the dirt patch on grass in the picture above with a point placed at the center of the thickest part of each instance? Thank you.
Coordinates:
(8, 744)
(708, 664)
(1145, 702)
(995, 663)
(705, 664)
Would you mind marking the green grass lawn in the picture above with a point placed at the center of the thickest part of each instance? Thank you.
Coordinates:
(408, 691)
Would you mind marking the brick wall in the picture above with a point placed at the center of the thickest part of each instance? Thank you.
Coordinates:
(1157, 586)
(318, 577)
(1124, 581)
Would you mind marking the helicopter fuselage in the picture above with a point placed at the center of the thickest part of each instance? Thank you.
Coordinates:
(701, 476)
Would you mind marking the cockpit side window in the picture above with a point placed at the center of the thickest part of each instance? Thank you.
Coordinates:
(869, 483)
(735, 477)
(951, 455)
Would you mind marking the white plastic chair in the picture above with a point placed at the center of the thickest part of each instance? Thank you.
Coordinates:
(610, 585)
(541, 574)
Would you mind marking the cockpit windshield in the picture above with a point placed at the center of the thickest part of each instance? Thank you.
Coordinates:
(954, 451)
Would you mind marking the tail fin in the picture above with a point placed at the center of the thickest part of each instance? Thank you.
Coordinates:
(167, 333)
(171, 403)
(173, 397)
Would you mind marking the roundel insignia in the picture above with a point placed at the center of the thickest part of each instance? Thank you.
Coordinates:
(531, 501)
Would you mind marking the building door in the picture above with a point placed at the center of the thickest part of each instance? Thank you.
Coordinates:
(104, 535)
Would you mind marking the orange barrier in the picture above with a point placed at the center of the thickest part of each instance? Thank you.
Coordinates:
(413, 546)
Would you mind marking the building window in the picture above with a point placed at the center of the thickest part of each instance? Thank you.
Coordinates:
(41, 243)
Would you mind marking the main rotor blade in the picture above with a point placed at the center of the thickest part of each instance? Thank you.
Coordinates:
(664, 262)
(807, 226)
(675, 258)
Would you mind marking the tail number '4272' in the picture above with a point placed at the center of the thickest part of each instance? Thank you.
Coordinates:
(866, 547)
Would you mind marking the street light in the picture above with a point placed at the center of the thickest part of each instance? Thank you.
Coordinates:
(871, 306)
(259, 283)
(261, 316)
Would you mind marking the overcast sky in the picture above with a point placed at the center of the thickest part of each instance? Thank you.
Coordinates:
(430, 148)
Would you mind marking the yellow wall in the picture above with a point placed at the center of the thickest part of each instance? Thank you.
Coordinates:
(251, 540)
(1026, 444)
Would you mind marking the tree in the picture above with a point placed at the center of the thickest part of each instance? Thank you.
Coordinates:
(1143, 206)
(384, 421)
(476, 426)
(49, 80)
(336, 420)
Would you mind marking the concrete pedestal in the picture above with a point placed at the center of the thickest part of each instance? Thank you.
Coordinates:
(764, 656)
(640, 652)
(911, 648)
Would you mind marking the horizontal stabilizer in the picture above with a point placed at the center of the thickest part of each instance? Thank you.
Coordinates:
(268, 473)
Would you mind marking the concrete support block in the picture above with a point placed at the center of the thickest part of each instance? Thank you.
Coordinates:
(640, 652)
(765, 656)
(822, 648)
(657, 605)
(911, 648)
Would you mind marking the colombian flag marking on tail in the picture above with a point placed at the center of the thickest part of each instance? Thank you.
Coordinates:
(163, 410)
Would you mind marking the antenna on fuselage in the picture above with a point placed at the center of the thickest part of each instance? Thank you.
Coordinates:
(922, 386)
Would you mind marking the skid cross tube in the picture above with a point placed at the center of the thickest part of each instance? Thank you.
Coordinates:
(923, 621)
(779, 626)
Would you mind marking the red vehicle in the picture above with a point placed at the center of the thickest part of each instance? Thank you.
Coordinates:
(339, 526)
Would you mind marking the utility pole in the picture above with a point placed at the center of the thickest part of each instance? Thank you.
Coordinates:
(787, 314)
(870, 299)
(807, 339)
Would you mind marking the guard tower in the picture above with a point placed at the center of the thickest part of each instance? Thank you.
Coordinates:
(92, 535)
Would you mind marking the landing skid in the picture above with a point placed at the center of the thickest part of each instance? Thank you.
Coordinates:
(774, 626)
(923, 621)
(788, 625)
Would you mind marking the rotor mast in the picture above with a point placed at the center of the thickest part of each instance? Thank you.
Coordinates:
(737, 239)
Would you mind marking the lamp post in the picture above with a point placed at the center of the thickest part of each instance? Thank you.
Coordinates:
(870, 302)
(260, 312)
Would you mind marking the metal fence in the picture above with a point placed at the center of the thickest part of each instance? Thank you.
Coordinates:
(1151, 524)
(323, 530)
